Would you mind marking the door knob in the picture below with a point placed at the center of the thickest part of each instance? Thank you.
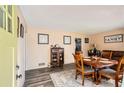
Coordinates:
(18, 76)
(17, 66)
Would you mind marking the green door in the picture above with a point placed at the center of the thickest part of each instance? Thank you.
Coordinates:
(8, 44)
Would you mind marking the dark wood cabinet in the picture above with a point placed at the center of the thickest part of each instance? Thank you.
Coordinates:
(57, 57)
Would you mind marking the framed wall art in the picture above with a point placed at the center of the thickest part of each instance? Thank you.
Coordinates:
(86, 40)
(113, 38)
(43, 38)
(67, 39)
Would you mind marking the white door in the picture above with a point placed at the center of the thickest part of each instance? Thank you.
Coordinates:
(20, 61)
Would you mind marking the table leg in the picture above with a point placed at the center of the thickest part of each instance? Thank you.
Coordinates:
(96, 78)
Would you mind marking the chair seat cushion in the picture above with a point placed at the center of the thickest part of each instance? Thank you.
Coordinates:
(86, 70)
(109, 73)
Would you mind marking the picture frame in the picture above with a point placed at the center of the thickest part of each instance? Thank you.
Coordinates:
(18, 25)
(113, 38)
(86, 40)
(67, 40)
(43, 38)
(21, 31)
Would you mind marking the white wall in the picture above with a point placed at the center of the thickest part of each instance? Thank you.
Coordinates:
(21, 59)
(38, 53)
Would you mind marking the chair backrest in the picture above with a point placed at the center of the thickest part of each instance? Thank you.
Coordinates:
(78, 52)
(120, 67)
(116, 55)
(107, 54)
(78, 61)
(120, 64)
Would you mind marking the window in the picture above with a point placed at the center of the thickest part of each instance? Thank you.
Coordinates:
(9, 25)
(10, 18)
(10, 9)
(4, 6)
(1, 18)
(6, 17)
(4, 21)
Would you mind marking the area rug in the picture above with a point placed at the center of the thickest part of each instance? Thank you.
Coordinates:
(67, 79)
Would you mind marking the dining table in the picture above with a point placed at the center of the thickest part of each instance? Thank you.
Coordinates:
(97, 64)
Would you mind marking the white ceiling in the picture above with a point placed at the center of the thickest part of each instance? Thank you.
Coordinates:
(88, 19)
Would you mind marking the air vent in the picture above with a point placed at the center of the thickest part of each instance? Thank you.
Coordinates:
(41, 64)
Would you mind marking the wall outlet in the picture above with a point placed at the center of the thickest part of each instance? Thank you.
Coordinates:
(41, 64)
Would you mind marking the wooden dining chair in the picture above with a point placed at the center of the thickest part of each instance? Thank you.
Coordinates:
(80, 70)
(106, 54)
(112, 74)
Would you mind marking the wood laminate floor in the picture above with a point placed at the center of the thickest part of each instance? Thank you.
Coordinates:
(41, 77)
